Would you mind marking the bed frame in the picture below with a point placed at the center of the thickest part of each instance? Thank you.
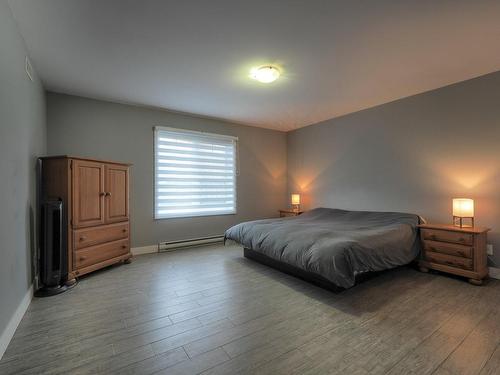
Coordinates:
(302, 274)
(291, 270)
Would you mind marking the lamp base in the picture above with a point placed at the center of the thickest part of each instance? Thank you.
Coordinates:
(459, 222)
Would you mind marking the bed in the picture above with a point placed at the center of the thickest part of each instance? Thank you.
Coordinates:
(331, 247)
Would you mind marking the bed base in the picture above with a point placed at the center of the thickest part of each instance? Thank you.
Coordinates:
(310, 277)
(291, 270)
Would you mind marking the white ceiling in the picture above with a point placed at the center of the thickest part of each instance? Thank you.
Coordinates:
(336, 56)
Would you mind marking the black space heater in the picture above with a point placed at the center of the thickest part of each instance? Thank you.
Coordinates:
(52, 252)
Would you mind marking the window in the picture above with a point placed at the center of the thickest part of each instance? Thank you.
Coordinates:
(195, 173)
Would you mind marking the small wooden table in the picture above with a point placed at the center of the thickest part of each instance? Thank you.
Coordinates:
(460, 251)
(286, 213)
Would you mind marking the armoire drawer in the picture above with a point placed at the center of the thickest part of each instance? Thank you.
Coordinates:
(95, 254)
(96, 235)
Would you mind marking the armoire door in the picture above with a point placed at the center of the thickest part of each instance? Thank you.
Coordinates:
(88, 193)
(116, 193)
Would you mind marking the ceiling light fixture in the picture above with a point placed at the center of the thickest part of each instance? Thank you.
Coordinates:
(265, 74)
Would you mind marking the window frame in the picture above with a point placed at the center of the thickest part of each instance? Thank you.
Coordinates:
(156, 130)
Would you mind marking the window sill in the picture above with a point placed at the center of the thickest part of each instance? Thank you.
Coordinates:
(187, 216)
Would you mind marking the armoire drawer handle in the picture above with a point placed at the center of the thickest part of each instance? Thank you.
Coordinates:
(461, 253)
(83, 257)
(83, 238)
(461, 239)
(124, 246)
(124, 230)
(432, 236)
(431, 248)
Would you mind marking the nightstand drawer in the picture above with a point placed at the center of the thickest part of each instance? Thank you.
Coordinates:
(447, 236)
(449, 260)
(449, 248)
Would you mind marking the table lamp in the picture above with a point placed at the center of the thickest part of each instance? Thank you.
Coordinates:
(296, 202)
(463, 208)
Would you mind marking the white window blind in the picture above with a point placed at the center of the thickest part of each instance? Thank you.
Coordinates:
(195, 173)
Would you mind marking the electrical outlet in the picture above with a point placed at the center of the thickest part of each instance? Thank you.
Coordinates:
(489, 249)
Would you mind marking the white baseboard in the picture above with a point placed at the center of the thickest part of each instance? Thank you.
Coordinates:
(144, 250)
(9, 331)
(495, 273)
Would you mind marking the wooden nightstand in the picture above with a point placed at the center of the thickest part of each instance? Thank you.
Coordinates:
(460, 251)
(286, 213)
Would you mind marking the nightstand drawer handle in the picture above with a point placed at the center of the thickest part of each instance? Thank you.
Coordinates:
(461, 239)
(432, 237)
(432, 248)
(461, 253)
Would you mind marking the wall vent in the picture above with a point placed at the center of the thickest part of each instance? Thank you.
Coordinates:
(173, 245)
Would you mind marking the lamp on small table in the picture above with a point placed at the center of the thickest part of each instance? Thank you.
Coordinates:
(463, 208)
(296, 202)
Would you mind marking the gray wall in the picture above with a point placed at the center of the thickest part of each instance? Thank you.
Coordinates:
(411, 155)
(99, 129)
(22, 139)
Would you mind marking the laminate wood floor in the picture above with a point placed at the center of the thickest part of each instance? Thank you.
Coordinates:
(209, 310)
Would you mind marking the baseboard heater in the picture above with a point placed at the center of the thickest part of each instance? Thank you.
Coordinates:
(174, 245)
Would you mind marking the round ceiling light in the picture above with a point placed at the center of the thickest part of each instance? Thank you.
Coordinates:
(265, 74)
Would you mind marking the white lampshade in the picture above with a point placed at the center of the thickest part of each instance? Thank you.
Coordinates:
(463, 207)
(295, 198)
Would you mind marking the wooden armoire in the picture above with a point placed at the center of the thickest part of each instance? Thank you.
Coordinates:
(95, 196)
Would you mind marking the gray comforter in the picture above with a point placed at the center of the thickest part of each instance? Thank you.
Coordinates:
(335, 244)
